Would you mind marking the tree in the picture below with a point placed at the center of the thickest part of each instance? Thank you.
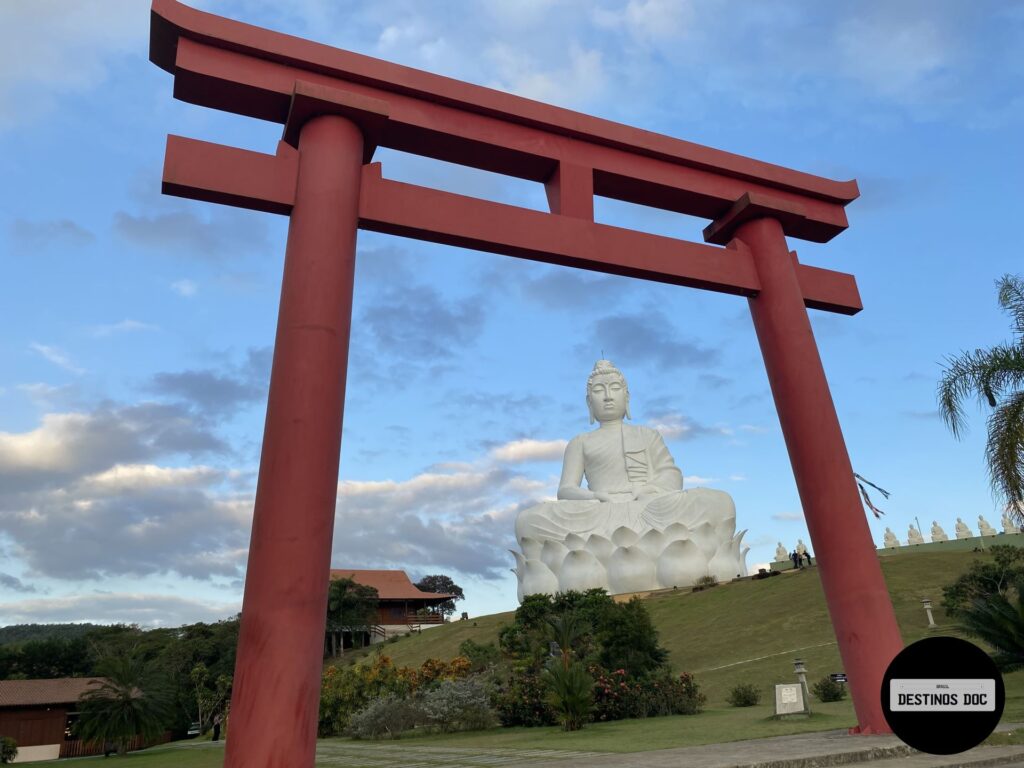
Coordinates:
(350, 606)
(629, 640)
(986, 578)
(999, 622)
(443, 585)
(130, 699)
(210, 695)
(996, 377)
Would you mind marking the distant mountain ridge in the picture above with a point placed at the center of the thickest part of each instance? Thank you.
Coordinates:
(23, 633)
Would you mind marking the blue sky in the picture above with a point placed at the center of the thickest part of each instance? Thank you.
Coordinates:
(138, 328)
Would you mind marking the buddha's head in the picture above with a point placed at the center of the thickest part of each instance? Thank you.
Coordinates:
(607, 393)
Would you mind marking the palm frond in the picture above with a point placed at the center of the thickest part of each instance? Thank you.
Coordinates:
(999, 624)
(984, 373)
(1011, 299)
(1005, 451)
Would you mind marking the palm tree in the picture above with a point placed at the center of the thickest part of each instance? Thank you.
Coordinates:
(130, 698)
(996, 377)
(1000, 623)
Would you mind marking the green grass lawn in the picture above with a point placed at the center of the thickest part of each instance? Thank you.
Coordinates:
(709, 727)
(750, 631)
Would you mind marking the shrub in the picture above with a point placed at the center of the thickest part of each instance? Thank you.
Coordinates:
(705, 582)
(522, 700)
(629, 640)
(459, 705)
(8, 749)
(617, 696)
(828, 690)
(345, 690)
(387, 717)
(481, 656)
(570, 692)
(744, 695)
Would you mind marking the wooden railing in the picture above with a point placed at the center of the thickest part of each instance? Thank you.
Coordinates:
(79, 748)
(424, 618)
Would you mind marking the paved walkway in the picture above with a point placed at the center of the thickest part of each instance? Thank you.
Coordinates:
(807, 750)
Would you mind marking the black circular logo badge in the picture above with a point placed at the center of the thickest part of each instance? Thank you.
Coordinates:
(943, 695)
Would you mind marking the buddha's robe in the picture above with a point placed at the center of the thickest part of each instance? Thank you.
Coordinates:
(622, 460)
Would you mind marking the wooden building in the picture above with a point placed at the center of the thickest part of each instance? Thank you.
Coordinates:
(38, 714)
(401, 605)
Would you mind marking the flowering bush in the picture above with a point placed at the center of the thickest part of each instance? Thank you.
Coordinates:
(617, 696)
(344, 690)
(522, 700)
(459, 705)
(387, 717)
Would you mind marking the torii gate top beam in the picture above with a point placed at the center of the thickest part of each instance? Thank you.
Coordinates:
(236, 67)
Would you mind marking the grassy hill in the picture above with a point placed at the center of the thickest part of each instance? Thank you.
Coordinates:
(750, 631)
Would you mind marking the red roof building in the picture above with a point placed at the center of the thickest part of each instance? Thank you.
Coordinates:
(400, 602)
(37, 714)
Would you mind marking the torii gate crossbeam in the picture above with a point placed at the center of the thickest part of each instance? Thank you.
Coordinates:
(336, 107)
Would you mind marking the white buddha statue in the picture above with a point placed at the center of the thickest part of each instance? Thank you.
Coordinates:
(801, 548)
(984, 528)
(781, 555)
(891, 542)
(937, 533)
(1008, 525)
(633, 528)
(962, 531)
(914, 536)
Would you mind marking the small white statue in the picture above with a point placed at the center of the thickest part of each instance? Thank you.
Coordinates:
(937, 533)
(914, 536)
(891, 542)
(1008, 525)
(984, 528)
(962, 531)
(633, 528)
(801, 548)
(781, 555)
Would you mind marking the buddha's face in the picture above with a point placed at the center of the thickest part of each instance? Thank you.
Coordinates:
(608, 397)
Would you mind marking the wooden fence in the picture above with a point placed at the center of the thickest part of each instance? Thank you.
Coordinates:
(78, 748)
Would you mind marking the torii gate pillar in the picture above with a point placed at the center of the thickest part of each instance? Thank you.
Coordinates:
(276, 697)
(858, 601)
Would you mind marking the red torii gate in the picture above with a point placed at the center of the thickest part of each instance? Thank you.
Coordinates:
(336, 107)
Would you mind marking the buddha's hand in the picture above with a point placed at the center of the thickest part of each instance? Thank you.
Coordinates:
(646, 491)
(602, 496)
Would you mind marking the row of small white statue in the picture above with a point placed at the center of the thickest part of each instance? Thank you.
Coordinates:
(962, 532)
(782, 555)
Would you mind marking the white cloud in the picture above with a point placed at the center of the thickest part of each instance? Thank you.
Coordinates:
(578, 82)
(787, 517)
(692, 480)
(57, 357)
(140, 477)
(88, 442)
(186, 288)
(647, 20)
(124, 326)
(895, 57)
(146, 610)
(49, 48)
(520, 451)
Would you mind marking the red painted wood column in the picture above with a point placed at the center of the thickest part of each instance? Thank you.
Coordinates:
(276, 696)
(851, 577)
